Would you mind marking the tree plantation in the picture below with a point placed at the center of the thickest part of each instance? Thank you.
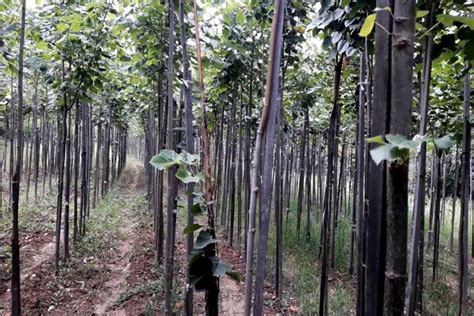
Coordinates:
(238, 157)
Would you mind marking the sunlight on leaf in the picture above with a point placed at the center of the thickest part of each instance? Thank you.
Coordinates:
(368, 26)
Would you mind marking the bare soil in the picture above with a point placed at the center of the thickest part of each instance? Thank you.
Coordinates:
(124, 281)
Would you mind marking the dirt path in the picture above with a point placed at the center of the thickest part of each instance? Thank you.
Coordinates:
(120, 265)
(122, 281)
(232, 294)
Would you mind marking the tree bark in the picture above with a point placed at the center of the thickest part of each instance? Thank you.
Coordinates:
(465, 198)
(269, 111)
(16, 178)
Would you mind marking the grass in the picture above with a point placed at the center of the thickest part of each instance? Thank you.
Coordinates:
(34, 217)
(302, 267)
(151, 288)
(103, 226)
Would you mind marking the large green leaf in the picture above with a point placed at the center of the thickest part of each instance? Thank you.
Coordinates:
(401, 141)
(240, 17)
(186, 176)
(191, 228)
(421, 13)
(190, 159)
(444, 142)
(220, 268)
(376, 140)
(234, 275)
(196, 209)
(381, 153)
(203, 239)
(165, 159)
(368, 26)
(448, 20)
(61, 27)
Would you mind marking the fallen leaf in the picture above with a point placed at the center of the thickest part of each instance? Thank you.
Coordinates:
(294, 309)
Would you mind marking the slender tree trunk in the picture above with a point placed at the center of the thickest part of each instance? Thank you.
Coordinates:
(268, 117)
(299, 207)
(397, 176)
(359, 184)
(36, 139)
(212, 294)
(15, 182)
(272, 102)
(67, 190)
(326, 231)
(417, 236)
(376, 217)
(436, 212)
(455, 195)
(278, 205)
(172, 181)
(61, 157)
(465, 198)
(189, 147)
(76, 171)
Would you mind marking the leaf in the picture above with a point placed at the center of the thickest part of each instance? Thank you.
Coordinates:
(444, 142)
(194, 279)
(448, 20)
(190, 159)
(234, 275)
(368, 26)
(41, 45)
(165, 159)
(376, 140)
(294, 309)
(203, 239)
(186, 176)
(240, 17)
(396, 140)
(381, 153)
(191, 228)
(61, 27)
(196, 209)
(76, 26)
(220, 268)
(421, 13)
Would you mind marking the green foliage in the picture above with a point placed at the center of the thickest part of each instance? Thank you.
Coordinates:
(203, 239)
(399, 147)
(169, 158)
(448, 20)
(191, 228)
(166, 159)
(368, 26)
(150, 288)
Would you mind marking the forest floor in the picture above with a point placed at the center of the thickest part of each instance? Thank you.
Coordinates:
(111, 270)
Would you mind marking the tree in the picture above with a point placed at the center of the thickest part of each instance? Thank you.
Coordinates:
(16, 177)
(402, 47)
(266, 129)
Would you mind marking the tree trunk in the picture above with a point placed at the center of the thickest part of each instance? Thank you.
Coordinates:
(397, 176)
(376, 217)
(269, 111)
(172, 181)
(16, 178)
(417, 236)
(273, 103)
(326, 222)
(189, 147)
(465, 198)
